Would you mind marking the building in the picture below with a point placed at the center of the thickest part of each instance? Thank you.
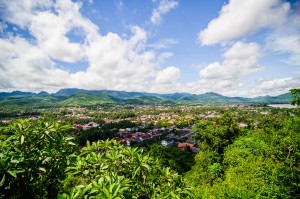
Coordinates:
(168, 142)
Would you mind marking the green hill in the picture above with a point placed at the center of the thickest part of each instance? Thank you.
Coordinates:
(81, 97)
(86, 99)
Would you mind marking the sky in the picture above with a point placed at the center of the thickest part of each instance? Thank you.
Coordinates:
(234, 47)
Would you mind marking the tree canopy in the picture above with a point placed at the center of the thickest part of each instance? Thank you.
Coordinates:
(295, 94)
(39, 160)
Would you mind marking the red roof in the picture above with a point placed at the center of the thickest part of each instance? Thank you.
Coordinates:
(134, 134)
(184, 145)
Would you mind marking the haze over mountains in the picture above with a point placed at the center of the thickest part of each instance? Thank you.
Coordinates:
(81, 97)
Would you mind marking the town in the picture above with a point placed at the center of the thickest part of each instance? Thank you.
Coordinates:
(140, 124)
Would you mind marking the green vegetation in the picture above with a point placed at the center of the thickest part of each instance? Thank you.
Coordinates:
(178, 160)
(295, 94)
(38, 160)
(83, 98)
(33, 159)
(260, 162)
(109, 170)
(245, 151)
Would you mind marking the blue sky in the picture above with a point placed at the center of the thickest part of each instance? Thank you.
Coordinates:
(235, 47)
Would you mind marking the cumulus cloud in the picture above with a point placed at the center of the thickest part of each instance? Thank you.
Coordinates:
(50, 31)
(238, 18)
(20, 13)
(114, 62)
(120, 64)
(239, 61)
(26, 67)
(164, 7)
(275, 87)
(168, 76)
(50, 28)
(167, 80)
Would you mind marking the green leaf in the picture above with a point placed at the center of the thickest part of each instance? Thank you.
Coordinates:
(13, 173)
(93, 154)
(42, 169)
(77, 194)
(86, 172)
(136, 171)
(2, 181)
(106, 192)
(65, 127)
(146, 166)
(59, 196)
(79, 186)
(70, 138)
(116, 190)
(20, 126)
(71, 143)
(46, 160)
(14, 161)
(22, 139)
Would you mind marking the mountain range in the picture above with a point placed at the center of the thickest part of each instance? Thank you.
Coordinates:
(81, 97)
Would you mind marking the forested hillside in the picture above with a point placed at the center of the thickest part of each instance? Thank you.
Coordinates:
(81, 97)
(260, 161)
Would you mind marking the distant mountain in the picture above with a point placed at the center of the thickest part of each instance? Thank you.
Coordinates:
(16, 93)
(82, 97)
(175, 96)
(66, 92)
(213, 98)
(42, 94)
(280, 99)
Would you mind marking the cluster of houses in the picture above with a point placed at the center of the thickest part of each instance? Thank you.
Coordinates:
(128, 135)
(182, 140)
(85, 126)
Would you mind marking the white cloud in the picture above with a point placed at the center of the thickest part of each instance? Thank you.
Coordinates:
(239, 61)
(163, 56)
(114, 62)
(275, 87)
(50, 31)
(168, 75)
(286, 44)
(51, 28)
(286, 39)
(164, 7)
(26, 67)
(164, 43)
(167, 80)
(20, 12)
(238, 18)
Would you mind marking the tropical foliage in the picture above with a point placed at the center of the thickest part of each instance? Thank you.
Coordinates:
(33, 159)
(106, 169)
(39, 160)
(261, 162)
(295, 94)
